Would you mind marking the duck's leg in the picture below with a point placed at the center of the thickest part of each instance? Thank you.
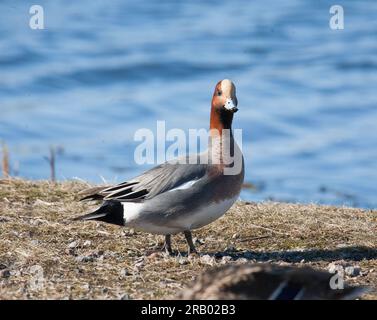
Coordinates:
(188, 237)
(167, 244)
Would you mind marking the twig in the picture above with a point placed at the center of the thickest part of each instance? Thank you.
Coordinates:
(268, 229)
(51, 161)
(253, 238)
(5, 161)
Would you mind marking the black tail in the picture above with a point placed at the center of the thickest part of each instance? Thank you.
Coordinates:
(111, 212)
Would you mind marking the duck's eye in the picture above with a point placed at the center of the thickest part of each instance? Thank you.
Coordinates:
(219, 93)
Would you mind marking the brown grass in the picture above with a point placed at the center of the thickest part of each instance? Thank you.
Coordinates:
(44, 255)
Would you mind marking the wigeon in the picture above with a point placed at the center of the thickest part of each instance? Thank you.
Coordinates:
(181, 196)
(267, 282)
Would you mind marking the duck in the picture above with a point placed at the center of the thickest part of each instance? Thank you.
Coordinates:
(265, 281)
(185, 193)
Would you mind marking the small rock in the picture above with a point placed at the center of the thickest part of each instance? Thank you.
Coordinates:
(352, 271)
(335, 268)
(15, 273)
(84, 259)
(73, 244)
(235, 236)
(242, 260)
(85, 287)
(226, 259)
(192, 257)
(38, 222)
(183, 261)
(124, 297)
(124, 273)
(87, 243)
(207, 259)
(198, 241)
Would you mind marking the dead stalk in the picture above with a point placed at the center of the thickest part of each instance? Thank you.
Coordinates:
(51, 161)
(5, 161)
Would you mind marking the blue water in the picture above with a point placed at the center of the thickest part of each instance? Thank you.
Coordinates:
(103, 69)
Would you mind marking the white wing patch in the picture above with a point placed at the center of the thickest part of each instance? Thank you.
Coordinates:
(131, 210)
(184, 186)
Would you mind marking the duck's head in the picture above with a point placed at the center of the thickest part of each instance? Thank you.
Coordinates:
(224, 105)
(224, 98)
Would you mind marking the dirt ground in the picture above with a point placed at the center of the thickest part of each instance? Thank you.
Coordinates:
(45, 255)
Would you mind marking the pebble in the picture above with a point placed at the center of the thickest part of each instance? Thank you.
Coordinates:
(84, 259)
(87, 243)
(90, 257)
(124, 272)
(73, 244)
(352, 271)
(242, 260)
(226, 259)
(198, 241)
(15, 273)
(38, 222)
(207, 259)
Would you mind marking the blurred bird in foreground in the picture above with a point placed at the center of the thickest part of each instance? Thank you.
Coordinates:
(267, 282)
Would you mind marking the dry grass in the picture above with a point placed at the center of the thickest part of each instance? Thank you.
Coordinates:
(44, 255)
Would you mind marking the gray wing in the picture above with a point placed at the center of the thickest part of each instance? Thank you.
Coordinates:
(157, 180)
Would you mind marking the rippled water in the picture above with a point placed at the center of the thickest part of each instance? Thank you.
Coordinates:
(102, 69)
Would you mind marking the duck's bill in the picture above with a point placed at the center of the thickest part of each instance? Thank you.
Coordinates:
(230, 105)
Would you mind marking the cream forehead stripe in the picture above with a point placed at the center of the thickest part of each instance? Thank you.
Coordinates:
(228, 88)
